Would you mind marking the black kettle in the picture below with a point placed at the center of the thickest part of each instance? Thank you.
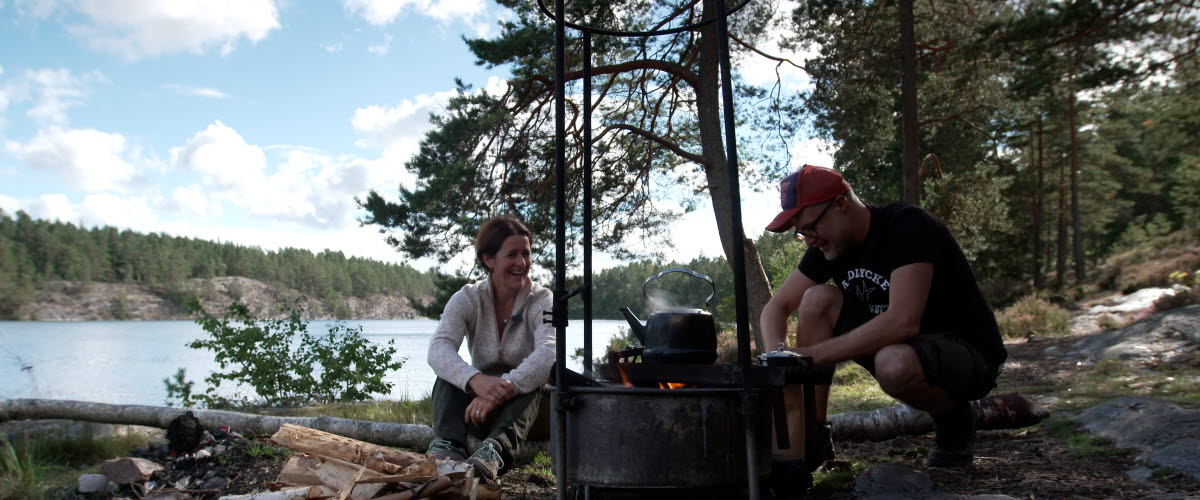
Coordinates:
(676, 335)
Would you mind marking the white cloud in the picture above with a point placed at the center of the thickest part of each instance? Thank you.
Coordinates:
(135, 29)
(220, 153)
(304, 187)
(110, 210)
(88, 159)
(398, 129)
(383, 48)
(193, 200)
(54, 91)
(333, 48)
(9, 204)
(195, 91)
(4, 92)
(384, 12)
(54, 207)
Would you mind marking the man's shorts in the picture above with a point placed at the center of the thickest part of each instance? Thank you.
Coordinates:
(948, 361)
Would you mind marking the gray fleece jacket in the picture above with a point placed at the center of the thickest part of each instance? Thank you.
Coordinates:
(523, 358)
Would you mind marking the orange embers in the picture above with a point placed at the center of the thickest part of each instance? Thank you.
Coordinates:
(671, 385)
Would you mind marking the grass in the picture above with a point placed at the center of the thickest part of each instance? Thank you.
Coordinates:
(854, 390)
(542, 466)
(406, 412)
(839, 479)
(34, 467)
(1080, 443)
(23, 470)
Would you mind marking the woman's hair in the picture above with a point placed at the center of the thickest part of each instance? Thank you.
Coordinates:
(492, 234)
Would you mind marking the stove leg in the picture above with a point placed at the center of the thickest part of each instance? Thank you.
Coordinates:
(810, 417)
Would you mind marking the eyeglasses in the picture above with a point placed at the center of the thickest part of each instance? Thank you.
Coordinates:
(810, 230)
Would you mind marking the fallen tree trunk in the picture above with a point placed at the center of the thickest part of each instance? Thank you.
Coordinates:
(384, 433)
(1005, 411)
(1002, 411)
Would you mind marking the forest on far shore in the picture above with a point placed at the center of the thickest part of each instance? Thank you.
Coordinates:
(34, 252)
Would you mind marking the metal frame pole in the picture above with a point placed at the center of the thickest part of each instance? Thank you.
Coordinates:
(560, 254)
(749, 403)
(587, 204)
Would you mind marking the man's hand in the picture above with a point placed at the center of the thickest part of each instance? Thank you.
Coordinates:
(494, 389)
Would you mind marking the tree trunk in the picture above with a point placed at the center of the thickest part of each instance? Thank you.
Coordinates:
(908, 103)
(388, 434)
(1039, 280)
(1076, 223)
(708, 102)
(1061, 254)
(1003, 411)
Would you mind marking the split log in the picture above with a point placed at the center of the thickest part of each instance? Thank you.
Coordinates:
(298, 470)
(387, 434)
(288, 494)
(433, 487)
(375, 457)
(1002, 411)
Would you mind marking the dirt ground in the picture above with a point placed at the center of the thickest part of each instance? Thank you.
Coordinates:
(1043, 461)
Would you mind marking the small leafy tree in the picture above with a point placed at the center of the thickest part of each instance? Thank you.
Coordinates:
(284, 364)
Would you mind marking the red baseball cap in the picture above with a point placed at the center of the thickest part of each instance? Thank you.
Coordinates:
(811, 184)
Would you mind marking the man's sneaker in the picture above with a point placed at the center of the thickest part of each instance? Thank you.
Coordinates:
(820, 450)
(445, 449)
(954, 437)
(486, 460)
(789, 479)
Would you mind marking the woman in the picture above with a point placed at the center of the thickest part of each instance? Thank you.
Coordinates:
(495, 397)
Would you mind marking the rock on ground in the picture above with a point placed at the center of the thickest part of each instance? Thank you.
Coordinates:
(1166, 434)
(1121, 308)
(95, 483)
(892, 481)
(129, 470)
(1170, 336)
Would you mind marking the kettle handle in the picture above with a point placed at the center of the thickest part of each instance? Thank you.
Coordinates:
(685, 271)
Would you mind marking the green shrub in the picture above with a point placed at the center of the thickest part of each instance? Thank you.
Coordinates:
(1180, 298)
(1032, 315)
(284, 364)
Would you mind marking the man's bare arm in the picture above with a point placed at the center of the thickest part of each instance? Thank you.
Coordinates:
(902, 320)
(782, 304)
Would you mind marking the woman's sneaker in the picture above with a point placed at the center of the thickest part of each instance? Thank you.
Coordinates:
(445, 449)
(486, 460)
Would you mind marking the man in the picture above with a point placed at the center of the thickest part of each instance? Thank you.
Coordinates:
(903, 303)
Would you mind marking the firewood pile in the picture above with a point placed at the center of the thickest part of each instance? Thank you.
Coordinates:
(328, 466)
(321, 466)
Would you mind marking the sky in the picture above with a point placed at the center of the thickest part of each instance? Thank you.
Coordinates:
(255, 122)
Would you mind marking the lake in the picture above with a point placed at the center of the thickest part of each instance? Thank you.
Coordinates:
(124, 362)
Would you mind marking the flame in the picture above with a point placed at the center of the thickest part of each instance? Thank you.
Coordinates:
(671, 385)
(624, 376)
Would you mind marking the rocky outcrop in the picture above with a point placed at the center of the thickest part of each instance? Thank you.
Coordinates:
(89, 301)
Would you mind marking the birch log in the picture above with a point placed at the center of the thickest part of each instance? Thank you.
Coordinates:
(1002, 411)
(384, 433)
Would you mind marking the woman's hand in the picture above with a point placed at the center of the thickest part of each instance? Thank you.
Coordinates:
(479, 410)
(491, 388)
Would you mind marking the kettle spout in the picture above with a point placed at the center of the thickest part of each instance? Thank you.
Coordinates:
(635, 324)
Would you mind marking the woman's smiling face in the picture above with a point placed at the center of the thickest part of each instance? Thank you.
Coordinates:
(510, 266)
